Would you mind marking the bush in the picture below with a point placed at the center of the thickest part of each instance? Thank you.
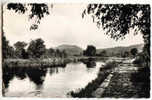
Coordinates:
(143, 77)
(110, 65)
(140, 60)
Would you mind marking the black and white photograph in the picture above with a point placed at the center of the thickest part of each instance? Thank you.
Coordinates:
(75, 50)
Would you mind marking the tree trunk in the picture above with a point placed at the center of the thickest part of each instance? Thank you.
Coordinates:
(146, 49)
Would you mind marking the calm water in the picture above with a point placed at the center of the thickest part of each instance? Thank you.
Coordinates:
(49, 82)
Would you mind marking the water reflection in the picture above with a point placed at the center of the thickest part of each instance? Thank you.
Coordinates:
(7, 76)
(90, 63)
(48, 82)
(36, 74)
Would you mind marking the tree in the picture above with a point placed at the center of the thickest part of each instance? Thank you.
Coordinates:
(38, 11)
(7, 50)
(51, 52)
(103, 53)
(134, 51)
(126, 54)
(64, 54)
(118, 19)
(90, 51)
(36, 48)
(20, 45)
(58, 53)
(24, 54)
(20, 48)
(84, 52)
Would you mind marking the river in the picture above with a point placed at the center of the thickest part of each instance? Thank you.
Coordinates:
(48, 82)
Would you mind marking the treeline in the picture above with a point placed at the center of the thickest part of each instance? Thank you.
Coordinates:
(128, 53)
(35, 49)
(91, 51)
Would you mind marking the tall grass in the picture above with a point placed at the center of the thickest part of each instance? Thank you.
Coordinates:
(34, 62)
(51, 62)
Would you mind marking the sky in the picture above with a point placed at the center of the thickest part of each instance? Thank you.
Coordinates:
(64, 25)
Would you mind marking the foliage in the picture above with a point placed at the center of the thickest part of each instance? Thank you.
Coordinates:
(55, 53)
(118, 19)
(139, 60)
(24, 54)
(36, 48)
(64, 54)
(126, 54)
(17, 7)
(90, 51)
(37, 11)
(109, 65)
(7, 50)
(134, 51)
(102, 53)
(20, 49)
(142, 77)
(49, 53)
(20, 45)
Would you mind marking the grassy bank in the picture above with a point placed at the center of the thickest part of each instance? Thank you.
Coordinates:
(120, 87)
(49, 62)
(128, 85)
(33, 62)
(92, 86)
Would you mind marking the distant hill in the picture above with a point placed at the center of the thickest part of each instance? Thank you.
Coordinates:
(76, 50)
(121, 49)
(70, 49)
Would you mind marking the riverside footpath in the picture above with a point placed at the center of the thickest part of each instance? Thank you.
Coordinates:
(119, 84)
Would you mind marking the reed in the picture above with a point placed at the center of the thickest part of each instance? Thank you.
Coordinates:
(48, 62)
(34, 62)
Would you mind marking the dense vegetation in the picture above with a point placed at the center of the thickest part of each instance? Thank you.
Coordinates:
(118, 19)
(90, 51)
(35, 49)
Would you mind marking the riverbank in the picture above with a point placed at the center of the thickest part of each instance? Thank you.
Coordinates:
(53, 82)
(128, 84)
(92, 86)
(125, 81)
(49, 62)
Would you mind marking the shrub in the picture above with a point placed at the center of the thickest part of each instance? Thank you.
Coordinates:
(110, 65)
(143, 77)
(140, 60)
